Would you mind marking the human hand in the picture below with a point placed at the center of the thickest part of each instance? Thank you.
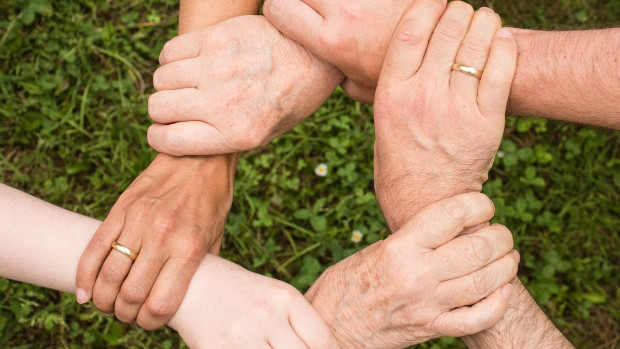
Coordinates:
(171, 216)
(227, 306)
(351, 35)
(232, 87)
(421, 282)
(437, 130)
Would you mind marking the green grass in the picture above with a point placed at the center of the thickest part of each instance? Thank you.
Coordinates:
(74, 78)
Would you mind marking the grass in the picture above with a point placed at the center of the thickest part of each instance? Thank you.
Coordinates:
(74, 78)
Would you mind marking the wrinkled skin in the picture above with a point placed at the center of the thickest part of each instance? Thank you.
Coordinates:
(421, 282)
(351, 35)
(232, 87)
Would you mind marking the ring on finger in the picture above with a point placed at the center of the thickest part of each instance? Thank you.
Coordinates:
(467, 70)
(124, 250)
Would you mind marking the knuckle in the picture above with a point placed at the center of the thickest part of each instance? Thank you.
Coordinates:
(451, 30)
(481, 248)
(479, 285)
(99, 244)
(504, 233)
(160, 307)
(112, 272)
(454, 209)
(163, 225)
(154, 105)
(332, 42)
(352, 11)
(250, 137)
(133, 294)
(409, 35)
(473, 49)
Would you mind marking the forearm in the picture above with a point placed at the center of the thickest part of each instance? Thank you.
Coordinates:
(568, 75)
(193, 15)
(524, 325)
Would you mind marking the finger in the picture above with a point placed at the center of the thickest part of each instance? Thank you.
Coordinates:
(183, 46)
(167, 293)
(113, 272)
(298, 21)
(285, 338)
(470, 252)
(170, 106)
(309, 326)
(497, 76)
(188, 138)
(471, 288)
(96, 252)
(177, 75)
(446, 39)
(479, 317)
(474, 51)
(410, 40)
(441, 221)
(358, 92)
(138, 284)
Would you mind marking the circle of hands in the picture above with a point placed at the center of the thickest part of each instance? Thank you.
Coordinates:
(238, 85)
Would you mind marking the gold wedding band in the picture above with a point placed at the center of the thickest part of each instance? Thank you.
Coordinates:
(124, 250)
(467, 70)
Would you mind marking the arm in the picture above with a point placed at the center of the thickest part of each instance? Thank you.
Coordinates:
(225, 306)
(171, 215)
(524, 325)
(560, 75)
(568, 75)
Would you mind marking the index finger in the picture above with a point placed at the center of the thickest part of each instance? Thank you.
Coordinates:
(441, 221)
(411, 38)
(183, 46)
(95, 253)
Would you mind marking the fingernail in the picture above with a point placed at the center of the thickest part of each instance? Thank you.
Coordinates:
(504, 33)
(108, 314)
(507, 291)
(81, 296)
(517, 255)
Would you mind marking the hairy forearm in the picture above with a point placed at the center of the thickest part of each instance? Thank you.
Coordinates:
(568, 75)
(524, 326)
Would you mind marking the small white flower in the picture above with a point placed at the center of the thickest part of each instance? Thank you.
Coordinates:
(500, 154)
(321, 170)
(356, 236)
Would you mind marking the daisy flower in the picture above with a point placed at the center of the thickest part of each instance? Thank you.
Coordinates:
(321, 170)
(356, 236)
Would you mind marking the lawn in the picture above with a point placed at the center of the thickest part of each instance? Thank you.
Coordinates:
(74, 79)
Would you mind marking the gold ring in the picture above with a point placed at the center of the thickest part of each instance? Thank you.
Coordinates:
(467, 70)
(124, 250)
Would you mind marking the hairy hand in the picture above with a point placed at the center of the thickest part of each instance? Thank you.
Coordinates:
(233, 87)
(171, 216)
(422, 282)
(437, 130)
(229, 307)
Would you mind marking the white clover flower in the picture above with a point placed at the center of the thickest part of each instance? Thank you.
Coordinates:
(321, 170)
(500, 154)
(356, 236)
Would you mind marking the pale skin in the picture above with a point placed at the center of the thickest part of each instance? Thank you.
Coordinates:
(446, 285)
(225, 306)
(171, 215)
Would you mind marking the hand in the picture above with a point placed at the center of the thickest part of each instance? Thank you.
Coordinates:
(351, 35)
(437, 130)
(171, 216)
(229, 307)
(421, 282)
(232, 87)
